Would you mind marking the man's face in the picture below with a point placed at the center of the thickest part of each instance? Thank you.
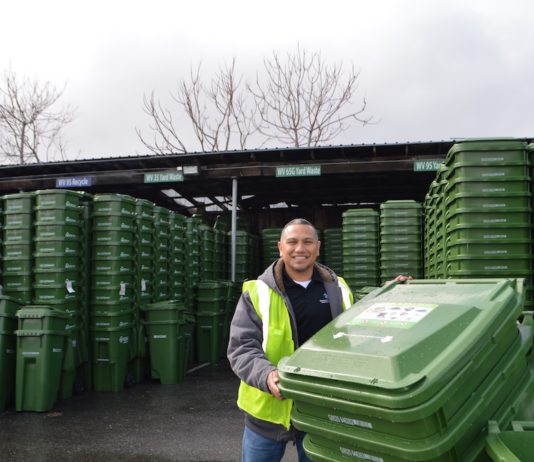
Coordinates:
(299, 248)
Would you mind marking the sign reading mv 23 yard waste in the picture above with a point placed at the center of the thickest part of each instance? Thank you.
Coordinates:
(169, 176)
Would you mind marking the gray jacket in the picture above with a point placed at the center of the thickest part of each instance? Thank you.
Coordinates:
(245, 353)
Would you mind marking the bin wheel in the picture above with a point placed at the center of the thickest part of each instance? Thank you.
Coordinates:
(129, 380)
(78, 387)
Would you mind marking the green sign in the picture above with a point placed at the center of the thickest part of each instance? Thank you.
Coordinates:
(427, 165)
(298, 170)
(170, 176)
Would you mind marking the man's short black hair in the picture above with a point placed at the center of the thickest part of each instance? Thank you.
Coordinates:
(299, 221)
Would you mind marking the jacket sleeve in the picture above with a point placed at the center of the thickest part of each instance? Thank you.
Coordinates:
(245, 352)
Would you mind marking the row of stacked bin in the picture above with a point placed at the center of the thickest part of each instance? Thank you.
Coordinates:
(478, 213)
(378, 246)
(98, 264)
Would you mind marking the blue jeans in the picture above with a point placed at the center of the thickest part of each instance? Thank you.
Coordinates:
(257, 448)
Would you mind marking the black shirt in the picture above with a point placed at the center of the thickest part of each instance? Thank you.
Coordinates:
(310, 304)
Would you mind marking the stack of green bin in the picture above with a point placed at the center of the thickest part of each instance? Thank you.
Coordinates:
(164, 322)
(143, 285)
(220, 231)
(401, 240)
(211, 308)
(413, 373)
(41, 342)
(17, 246)
(112, 288)
(488, 210)
(429, 229)
(360, 248)
(192, 261)
(177, 258)
(332, 249)
(434, 227)
(162, 251)
(247, 255)
(8, 345)
(362, 292)
(242, 254)
(85, 375)
(57, 270)
(207, 253)
(269, 243)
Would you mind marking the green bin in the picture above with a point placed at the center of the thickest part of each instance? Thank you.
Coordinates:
(57, 199)
(57, 232)
(18, 221)
(114, 204)
(111, 352)
(18, 203)
(164, 344)
(208, 337)
(163, 311)
(38, 370)
(55, 247)
(53, 216)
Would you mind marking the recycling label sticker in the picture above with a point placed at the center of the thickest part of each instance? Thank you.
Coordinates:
(389, 314)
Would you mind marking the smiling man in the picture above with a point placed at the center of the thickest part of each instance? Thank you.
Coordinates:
(293, 299)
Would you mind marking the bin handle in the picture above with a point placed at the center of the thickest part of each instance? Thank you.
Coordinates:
(528, 318)
(522, 425)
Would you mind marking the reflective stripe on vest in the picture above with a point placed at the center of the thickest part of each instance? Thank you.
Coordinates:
(264, 302)
(348, 298)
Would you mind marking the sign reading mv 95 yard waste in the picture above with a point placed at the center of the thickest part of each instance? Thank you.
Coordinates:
(170, 176)
(427, 165)
(298, 170)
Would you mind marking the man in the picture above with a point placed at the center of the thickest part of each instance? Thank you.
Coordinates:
(293, 299)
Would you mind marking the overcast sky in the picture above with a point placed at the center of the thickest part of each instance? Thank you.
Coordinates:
(430, 69)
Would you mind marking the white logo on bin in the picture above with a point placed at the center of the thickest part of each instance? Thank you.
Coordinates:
(360, 455)
(57, 350)
(123, 339)
(159, 336)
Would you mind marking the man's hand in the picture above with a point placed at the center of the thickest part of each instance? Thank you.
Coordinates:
(272, 383)
(402, 278)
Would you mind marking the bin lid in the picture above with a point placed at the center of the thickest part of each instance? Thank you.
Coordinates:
(9, 305)
(409, 335)
(163, 305)
(41, 311)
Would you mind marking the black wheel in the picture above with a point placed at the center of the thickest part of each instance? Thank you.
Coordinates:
(79, 386)
(129, 380)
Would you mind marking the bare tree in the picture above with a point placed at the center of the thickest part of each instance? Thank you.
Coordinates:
(30, 131)
(218, 113)
(302, 101)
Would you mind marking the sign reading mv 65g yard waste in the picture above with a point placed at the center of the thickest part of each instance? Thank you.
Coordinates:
(170, 176)
(298, 170)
